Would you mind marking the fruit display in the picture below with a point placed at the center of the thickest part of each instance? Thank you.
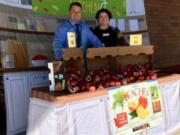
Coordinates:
(73, 79)
(101, 68)
(103, 78)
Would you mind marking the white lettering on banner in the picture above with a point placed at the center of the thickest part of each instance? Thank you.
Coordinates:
(90, 6)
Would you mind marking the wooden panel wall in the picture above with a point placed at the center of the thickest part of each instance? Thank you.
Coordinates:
(163, 20)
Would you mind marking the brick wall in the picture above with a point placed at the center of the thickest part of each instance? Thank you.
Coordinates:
(163, 20)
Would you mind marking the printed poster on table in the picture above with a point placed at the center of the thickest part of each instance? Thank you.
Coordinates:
(135, 107)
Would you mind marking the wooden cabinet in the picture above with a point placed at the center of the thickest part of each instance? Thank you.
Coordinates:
(17, 102)
(87, 115)
(135, 7)
(17, 87)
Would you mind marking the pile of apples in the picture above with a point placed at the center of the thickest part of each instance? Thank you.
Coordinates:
(103, 78)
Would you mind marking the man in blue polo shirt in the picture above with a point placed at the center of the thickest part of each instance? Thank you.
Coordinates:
(74, 28)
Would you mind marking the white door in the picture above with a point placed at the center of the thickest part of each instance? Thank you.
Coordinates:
(17, 102)
(88, 117)
(129, 10)
(138, 6)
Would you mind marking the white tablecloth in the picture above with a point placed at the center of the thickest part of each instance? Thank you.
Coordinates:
(46, 118)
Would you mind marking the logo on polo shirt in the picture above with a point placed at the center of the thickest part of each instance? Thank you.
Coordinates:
(105, 34)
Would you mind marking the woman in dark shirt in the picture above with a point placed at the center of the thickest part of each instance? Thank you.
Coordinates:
(109, 35)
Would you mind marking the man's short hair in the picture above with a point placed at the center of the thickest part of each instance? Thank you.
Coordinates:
(103, 10)
(75, 4)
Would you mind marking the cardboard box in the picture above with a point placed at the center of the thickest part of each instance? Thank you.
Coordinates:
(75, 57)
(57, 76)
(112, 57)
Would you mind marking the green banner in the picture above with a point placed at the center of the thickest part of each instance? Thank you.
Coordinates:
(90, 7)
(135, 107)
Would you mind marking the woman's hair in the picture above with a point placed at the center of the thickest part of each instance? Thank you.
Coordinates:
(103, 11)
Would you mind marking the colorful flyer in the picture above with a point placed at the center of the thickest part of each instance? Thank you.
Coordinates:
(135, 39)
(57, 76)
(135, 107)
(71, 39)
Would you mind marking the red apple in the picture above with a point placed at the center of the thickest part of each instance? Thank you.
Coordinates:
(132, 78)
(73, 83)
(100, 87)
(153, 75)
(58, 86)
(124, 81)
(136, 74)
(73, 89)
(97, 78)
(141, 78)
(92, 88)
(88, 78)
(112, 83)
(118, 83)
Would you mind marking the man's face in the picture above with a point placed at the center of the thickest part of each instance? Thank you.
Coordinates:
(75, 13)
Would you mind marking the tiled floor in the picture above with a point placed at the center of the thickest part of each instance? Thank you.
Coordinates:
(2, 131)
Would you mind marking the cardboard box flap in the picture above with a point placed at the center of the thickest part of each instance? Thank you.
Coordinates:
(133, 59)
(136, 50)
(119, 51)
(72, 53)
(102, 52)
(75, 57)
(112, 57)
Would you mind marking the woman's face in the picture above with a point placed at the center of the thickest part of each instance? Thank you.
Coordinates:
(103, 19)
